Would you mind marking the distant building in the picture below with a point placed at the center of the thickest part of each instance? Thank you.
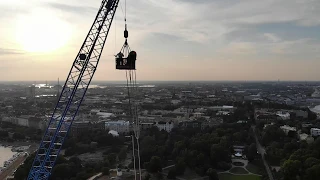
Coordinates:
(301, 114)
(190, 124)
(222, 108)
(265, 115)
(28, 121)
(306, 137)
(21, 121)
(197, 114)
(119, 126)
(167, 126)
(238, 151)
(315, 132)
(79, 127)
(31, 91)
(242, 122)
(37, 123)
(286, 129)
(266, 125)
(175, 102)
(316, 110)
(146, 125)
(316, 93)
(307, 125)
(211, 122)
(283, 115)
(114, 133)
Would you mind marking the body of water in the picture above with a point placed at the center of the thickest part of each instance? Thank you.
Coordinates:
(139, 86)
(5, 154)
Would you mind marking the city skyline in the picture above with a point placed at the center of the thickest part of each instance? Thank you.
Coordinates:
(175, 39)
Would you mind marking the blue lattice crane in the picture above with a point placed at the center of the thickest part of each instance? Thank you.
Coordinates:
(73, 92)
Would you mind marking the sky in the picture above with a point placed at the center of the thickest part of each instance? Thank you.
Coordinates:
(174, 39)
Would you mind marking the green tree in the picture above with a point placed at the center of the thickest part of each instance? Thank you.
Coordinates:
(313, 173)
(3, 134)
(83, 176)
(21, 174)
(123, 154)
(180, 167)
(172, 174)
(147, 177)
(252, 152)
(154, 165)
(61, 171)
(18, 136)
(112, 158)
(290, 169)
(105, 171)
(213, 175)
(311, 161)
(219, 153)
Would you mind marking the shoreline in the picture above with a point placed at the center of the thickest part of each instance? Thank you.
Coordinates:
(17, 143)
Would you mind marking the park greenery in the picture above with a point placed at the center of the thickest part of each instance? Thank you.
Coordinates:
(201, 150)
(298, 159)
(204, 151)
(71, 167)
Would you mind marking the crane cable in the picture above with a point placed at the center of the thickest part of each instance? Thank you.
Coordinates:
(134, 110)
(131, 84)
(133, 138)
(137, 122)
(132, 89)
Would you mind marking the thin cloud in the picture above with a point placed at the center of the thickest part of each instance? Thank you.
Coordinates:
(167, 30)
(72, 8)
(4, 51)
(211, 21)
(271, 37)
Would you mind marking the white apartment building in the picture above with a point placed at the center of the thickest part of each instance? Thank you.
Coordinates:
(119, 126)
(167, 126)
(197, 114)
(315, 132)
(21, 121)
(283, 115)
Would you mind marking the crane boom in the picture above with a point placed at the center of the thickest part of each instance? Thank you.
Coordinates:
(73, 92)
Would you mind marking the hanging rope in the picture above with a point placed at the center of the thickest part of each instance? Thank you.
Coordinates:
(132, 89)
(134, 159)
(115, 35)
(131, 78)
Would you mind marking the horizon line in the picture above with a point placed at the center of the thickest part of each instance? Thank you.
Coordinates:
(169, 81)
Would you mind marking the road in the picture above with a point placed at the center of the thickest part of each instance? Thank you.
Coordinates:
(262, 151)
(14, 165)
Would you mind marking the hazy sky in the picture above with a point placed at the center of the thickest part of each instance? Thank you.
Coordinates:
(174, 39)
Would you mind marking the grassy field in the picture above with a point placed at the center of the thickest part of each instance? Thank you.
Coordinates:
(256, 167)
(238, 163)
(253, 169)
(189, 174)
(227, 176)
(238, 170)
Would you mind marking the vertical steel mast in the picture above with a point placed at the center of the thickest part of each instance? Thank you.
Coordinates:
(73, 92)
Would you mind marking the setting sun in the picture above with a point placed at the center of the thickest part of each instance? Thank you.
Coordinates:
(42, 32)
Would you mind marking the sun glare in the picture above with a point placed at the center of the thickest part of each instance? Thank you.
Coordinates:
(42, 32)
